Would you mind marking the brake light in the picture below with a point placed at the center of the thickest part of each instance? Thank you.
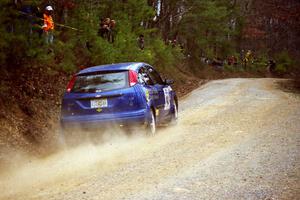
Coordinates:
(133, 79)
(71, 84)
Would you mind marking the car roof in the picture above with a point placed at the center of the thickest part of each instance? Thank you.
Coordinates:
(113, 67)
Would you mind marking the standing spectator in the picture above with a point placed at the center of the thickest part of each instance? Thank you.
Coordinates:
(141, 42)
(104, 27)
(48, 26)
(230, 60)
(248, 58)
(112, 32)
(101, 24)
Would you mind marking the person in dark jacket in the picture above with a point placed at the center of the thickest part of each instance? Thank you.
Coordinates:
(141, 42)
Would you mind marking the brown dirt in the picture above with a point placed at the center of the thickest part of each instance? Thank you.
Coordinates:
(29, 109)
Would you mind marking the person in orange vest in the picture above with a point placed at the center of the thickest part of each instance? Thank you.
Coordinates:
(48, 26)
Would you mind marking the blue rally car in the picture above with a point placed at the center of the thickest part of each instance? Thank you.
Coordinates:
(126, 94)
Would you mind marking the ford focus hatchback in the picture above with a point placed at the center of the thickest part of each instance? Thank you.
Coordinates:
(125, 94)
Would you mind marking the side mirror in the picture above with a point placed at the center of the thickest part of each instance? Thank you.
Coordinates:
(169, 81)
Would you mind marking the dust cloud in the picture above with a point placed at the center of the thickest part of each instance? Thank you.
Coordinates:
(26, 171)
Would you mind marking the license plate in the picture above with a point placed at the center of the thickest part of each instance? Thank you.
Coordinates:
(99, 103)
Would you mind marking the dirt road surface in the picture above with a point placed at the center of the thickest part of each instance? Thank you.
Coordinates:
(236, 139)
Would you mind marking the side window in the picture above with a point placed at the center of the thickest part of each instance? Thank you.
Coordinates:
(143, 77)
(155, 77)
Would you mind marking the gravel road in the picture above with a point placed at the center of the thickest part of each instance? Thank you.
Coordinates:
(236, 139)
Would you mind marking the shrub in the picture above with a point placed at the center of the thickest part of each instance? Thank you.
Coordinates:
(284, 62)
(260, 63)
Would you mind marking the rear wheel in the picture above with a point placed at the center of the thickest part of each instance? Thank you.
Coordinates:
(151, 127)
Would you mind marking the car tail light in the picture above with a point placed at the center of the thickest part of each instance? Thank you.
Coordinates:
(132, 78)
(71, 84)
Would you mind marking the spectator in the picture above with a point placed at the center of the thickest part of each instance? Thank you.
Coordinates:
(141, 42)
(48, 26)
(101, 31)
(248, 58)
(230, 60)
(112, 32)
(105, 28)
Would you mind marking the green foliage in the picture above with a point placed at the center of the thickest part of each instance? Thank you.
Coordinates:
(233, 68)
(64, 57)
(207, 29)
(128, 17)
(203, 28)
(72, 49)
(284, 62)
(260, 63)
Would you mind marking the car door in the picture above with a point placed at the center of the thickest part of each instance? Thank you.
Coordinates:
(148, 88)
(163, 100)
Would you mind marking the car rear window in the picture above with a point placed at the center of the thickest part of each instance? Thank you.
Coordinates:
(101, 82)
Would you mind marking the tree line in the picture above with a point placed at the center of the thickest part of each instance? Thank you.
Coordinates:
(173, 31)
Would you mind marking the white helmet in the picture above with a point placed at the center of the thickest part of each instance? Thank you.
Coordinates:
(49, 8)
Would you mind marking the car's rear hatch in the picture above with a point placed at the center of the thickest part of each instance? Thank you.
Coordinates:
(100, 93)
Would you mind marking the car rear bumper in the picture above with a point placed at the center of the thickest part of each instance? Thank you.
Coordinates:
(135, 118)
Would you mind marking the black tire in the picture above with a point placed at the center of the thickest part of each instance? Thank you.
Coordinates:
(151, 126)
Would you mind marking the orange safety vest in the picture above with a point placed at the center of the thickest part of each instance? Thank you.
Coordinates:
(48, 23)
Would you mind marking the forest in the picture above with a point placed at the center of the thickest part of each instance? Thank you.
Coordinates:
(187, 40)
(174, 31)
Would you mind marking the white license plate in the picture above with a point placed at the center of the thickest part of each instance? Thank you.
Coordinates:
(99, 103)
